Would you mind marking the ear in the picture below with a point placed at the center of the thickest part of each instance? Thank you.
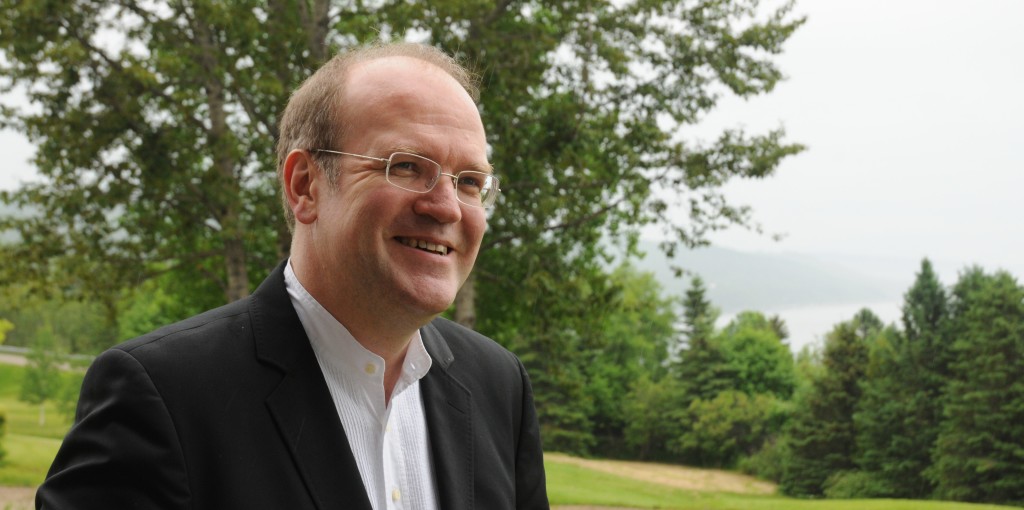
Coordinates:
(301, 187)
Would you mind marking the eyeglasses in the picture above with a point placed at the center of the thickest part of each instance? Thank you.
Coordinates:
(419, 175)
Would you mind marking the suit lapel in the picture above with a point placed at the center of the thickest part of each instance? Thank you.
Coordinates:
(447, 405)
(301, 405)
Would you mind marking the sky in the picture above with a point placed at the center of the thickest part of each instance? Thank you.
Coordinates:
(913, 115)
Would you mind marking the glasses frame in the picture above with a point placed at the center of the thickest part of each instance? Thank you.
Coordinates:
(484, 204)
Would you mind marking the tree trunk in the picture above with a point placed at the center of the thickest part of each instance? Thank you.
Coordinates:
(226, 190)
(465, 303)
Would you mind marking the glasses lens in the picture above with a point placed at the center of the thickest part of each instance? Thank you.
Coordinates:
(412, 172)
(476, 188)
(416, 173)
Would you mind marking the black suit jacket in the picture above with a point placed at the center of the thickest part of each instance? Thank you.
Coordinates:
(229, 409)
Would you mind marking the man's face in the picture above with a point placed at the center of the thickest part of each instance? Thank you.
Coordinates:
(366, 229)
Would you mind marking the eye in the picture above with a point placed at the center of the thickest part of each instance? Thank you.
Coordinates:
(406, 167)
(472, 182)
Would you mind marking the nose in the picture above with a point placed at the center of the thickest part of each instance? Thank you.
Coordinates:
(440, 202)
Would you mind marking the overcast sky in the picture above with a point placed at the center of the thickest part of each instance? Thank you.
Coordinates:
(913, 114)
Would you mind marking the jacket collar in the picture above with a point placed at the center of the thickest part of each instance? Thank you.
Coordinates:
(301, 405)
(448, 407)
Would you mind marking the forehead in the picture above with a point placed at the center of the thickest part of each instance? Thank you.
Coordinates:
(406, 102)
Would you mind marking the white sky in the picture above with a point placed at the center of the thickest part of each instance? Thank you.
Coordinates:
(913, 112)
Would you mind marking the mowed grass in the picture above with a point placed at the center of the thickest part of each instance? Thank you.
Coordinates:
(574, 485)
(30, 446)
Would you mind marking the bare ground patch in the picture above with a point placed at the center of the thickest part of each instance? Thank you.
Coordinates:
(680, 477)
(17, 498)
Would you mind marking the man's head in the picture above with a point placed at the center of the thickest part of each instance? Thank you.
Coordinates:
(368, 249)
(315, 114)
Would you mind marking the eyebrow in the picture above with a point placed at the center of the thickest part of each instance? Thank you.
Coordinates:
(487, 168)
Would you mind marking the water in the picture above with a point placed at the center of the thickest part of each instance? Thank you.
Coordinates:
(808, 325)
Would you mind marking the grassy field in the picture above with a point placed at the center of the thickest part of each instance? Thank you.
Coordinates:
(570, 484)
(31, 447)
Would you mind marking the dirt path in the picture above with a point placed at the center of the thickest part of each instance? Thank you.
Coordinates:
(681, 477)
(17, 498)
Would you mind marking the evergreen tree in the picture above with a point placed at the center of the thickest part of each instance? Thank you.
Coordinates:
(901, 409)
(702, 369)
(821, 436)
(979, 454)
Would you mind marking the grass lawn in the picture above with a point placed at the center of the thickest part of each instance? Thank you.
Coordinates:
(27, 459)
(30, 447)
(574, 485)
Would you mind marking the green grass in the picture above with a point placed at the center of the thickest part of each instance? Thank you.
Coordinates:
(574, 485)
(30, 447)
(28, 458)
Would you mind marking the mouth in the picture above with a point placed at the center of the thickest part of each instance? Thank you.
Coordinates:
(420, 244)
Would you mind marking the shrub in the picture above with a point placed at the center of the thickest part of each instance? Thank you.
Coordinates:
(857, 485)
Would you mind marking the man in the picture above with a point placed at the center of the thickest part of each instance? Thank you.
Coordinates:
(334, 385)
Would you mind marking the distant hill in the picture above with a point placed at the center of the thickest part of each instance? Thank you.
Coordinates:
(767, 282)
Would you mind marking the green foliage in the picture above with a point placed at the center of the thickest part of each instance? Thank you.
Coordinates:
(158, 303)
(652, 415)
(702, 369)
(78, 327)
(42, 380)
(636, 329)
(821, 434)
(858, 485)
(5, 327)
(766, 463)
(760, 361)
(901, 409)
(718, 432)
(978, 454)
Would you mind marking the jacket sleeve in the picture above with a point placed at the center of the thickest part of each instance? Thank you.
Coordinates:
(123, 451)
(531, 492)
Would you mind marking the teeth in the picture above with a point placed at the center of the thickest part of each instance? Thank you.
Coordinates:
(423, 245)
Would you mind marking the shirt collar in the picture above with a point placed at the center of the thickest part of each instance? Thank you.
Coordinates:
(333, 343)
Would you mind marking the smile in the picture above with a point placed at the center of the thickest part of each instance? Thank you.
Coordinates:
(439, 249)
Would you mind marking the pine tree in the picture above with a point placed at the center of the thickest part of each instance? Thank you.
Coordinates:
(979, 454)
(821, 435)
(702, 369)
(900, 413)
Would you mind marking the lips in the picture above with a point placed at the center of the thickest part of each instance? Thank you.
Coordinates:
(439, 249)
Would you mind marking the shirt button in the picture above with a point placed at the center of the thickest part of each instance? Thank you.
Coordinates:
(396, 495)
(370, 369)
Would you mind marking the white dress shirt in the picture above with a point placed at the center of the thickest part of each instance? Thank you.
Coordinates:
(389, 440)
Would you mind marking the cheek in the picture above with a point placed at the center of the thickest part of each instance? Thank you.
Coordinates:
(475, 228)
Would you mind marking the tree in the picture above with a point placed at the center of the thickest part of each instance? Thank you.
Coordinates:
(901, 408)
(172, 110)
(821, 436)
(172, 172)
(978, 455)
(702, 369)
(636, 330)
(42, 380)
(721, 430)
(760, 362)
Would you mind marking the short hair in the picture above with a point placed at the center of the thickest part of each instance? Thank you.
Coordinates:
(314, 115)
